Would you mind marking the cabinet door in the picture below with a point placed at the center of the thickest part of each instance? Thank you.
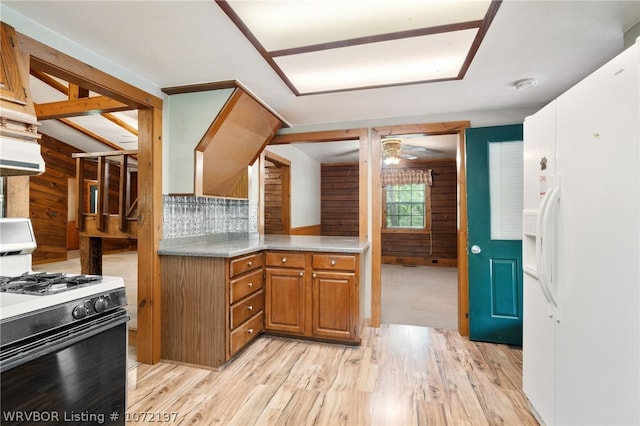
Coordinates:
(284, 300)
(12, 70)
(335, 308)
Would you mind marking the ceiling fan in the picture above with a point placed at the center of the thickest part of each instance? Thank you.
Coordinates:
(393, 151)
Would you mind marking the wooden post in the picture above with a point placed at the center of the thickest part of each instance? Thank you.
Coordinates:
(80, 195)
(123, 193)
(91, 255)
(100, 212)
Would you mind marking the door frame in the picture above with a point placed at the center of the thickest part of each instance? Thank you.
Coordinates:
(58, 64)
(285, 165)
(444, 128)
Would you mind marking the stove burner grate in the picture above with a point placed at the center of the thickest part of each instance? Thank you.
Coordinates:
(44, 283)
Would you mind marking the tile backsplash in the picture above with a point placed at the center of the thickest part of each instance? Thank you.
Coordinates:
(187, 216)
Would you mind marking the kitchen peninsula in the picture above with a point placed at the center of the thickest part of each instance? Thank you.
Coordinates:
(221, 291)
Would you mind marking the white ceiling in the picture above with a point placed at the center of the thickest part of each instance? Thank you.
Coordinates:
(318, 48)
(174, 43)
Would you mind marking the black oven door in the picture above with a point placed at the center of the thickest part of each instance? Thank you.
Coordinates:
(77, 376)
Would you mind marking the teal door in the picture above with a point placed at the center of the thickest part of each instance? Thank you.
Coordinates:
(494, 210)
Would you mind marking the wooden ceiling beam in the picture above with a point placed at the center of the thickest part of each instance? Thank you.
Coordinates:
(123, 124)
(77, 92)
(50, 81)
(78, 107)
(90, 134)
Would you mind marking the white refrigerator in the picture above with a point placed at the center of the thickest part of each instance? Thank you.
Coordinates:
(581, 256)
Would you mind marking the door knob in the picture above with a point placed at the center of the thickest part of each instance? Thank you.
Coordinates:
(475, 249)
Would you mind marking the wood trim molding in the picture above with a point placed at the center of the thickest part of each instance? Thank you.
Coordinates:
(463, 261)
(58, 64)
(322, 136)
(453, 127)
(285, 165)
(306, 230)
(218, 85)
(55, 63)
(376, 225)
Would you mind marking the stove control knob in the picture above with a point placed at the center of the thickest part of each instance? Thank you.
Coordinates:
(101, 305)
(79, 312)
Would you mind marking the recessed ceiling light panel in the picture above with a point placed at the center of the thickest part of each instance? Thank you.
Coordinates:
(319, 46)
(418, 59)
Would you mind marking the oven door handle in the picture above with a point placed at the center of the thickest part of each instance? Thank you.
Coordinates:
(22, 354)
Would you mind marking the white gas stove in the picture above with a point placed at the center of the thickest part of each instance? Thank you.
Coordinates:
(28, 295)
(68, 331)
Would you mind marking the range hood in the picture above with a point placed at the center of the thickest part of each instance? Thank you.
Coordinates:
(20, 157)
(19, 149)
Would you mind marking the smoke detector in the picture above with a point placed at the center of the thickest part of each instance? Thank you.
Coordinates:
(525, 84)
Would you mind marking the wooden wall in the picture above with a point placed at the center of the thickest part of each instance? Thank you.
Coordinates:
(439, 248)
(339, 203)
(273, 200)
(48, 202)
(339, 214)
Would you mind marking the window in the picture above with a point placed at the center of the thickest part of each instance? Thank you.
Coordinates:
(407, 208)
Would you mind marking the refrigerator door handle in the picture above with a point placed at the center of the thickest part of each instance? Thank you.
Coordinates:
(549, 254)
(542, 244)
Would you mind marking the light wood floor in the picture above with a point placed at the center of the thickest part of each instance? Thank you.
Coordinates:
(401, 375)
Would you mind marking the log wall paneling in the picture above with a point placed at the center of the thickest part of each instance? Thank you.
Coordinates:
(339, 200)
(439, 248)
(48, 203)
(273, 200)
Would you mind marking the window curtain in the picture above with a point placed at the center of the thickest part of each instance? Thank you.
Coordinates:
(406, 177)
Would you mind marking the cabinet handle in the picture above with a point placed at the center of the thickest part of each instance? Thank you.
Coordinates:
(284, 260)
(250, 263)
(333, 263)
(315, 275)
(250, 285)
(250, 331)
(301, 273)
(249, 308)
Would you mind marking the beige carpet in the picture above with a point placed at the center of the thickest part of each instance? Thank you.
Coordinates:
(421, 295)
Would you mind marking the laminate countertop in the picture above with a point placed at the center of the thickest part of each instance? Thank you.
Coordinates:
(231, 245)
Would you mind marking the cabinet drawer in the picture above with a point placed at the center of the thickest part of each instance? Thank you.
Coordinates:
(245, 309)
(331, 261)
(246, 285)
(285, 259)
(243, 264)
(246, 332)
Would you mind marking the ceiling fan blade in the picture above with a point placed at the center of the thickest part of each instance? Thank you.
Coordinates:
(414, 148)
(407, 156)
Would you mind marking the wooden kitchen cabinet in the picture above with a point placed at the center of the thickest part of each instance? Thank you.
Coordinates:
(246, 301)
(335, 297)
(212, 307)
(312, 295)
(14, 83)
(285, 292)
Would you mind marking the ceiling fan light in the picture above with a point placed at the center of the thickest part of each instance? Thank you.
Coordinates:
(392, 160)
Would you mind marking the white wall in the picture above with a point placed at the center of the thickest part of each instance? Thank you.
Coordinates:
(305, 185)
(187, 117)
(75, 50)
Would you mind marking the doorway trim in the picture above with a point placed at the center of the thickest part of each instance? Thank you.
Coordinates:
(282, 163)
(58, 64)
(453, 127)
